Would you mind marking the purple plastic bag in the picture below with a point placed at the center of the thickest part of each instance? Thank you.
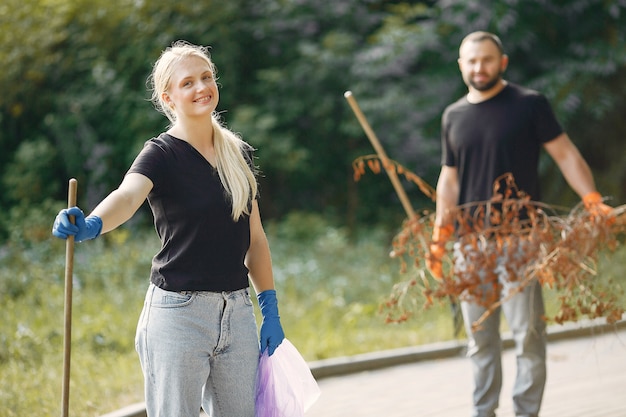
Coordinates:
(285, 386)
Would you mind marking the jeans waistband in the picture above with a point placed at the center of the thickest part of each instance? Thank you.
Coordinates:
(222, 294)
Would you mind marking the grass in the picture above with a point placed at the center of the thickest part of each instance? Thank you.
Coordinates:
(329, 289)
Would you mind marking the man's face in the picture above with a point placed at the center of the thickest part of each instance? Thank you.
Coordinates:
(481, 64)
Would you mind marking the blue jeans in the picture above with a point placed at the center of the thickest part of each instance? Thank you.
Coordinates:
(524, 313)
(198, 349)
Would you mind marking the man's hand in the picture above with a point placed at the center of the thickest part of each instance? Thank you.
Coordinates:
(594, 205)
(441, 235)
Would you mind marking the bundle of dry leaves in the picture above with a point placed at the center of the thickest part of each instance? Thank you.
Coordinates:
(558, 248)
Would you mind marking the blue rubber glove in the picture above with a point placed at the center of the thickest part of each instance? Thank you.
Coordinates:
(271, 334)
(82, 229)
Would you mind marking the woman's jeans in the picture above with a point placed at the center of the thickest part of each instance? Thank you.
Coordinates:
(524, 313)
(198, 349)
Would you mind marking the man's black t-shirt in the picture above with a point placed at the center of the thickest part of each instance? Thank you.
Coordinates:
(202, 248)
(501, 135)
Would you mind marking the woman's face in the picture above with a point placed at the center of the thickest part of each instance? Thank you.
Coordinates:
(193, 90)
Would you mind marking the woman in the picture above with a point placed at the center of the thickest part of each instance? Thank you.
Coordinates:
(196, 336)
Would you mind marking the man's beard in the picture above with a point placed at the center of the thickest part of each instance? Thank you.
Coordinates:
(488, 85)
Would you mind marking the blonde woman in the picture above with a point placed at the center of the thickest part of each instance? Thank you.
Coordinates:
(196, 337)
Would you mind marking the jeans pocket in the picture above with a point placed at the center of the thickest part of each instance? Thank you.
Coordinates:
(246, 297)
(169, 299)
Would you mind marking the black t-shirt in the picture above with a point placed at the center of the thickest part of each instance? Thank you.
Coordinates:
(202, 248)
(497, 136)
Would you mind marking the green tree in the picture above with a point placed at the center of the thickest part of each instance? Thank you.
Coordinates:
(574, 52)
(75, 74)
(298, 116)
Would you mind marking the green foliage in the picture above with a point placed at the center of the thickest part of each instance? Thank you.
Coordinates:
(108, 286)
(74, 89)
(329, 286)
(28, 225)
(26, 177)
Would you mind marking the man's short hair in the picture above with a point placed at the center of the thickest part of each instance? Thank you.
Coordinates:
(480, 36)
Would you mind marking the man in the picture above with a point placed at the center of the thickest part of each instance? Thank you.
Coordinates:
(500, 128)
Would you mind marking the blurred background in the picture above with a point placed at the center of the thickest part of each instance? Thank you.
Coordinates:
(74, 104)
(74, 100)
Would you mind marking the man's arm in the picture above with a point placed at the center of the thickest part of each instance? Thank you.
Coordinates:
(447, 196)
(572, 165)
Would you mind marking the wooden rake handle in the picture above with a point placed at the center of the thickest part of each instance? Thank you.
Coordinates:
(391, 172)
(69, 272)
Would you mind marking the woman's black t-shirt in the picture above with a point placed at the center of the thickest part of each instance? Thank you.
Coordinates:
(501, 135)
(202, 248)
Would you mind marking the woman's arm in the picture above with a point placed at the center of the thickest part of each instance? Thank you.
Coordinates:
(258, 259)
(259, 263)
(121, 204)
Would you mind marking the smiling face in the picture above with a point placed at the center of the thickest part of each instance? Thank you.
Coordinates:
(192, 91)
(482, 64)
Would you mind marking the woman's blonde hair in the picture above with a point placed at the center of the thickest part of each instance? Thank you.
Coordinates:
(236, 175)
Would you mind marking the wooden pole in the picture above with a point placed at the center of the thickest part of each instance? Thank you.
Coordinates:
(69, 272)
(389, 168)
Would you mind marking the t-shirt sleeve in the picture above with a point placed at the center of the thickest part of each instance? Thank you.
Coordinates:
(149, 162)
(447, 156)
(547, 127)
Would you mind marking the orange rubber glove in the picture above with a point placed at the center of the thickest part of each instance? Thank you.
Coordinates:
(437, 247)
(594, 205)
